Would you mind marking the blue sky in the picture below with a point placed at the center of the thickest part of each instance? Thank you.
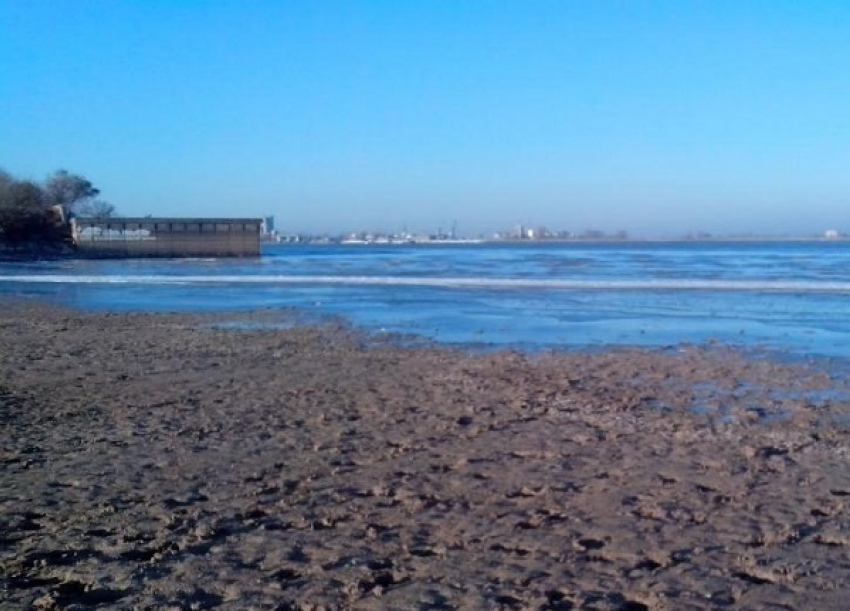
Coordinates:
(654, 117)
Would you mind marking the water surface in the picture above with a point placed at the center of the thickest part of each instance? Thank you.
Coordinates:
(788, 296)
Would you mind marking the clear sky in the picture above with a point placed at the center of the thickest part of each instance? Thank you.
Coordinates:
(656, 117)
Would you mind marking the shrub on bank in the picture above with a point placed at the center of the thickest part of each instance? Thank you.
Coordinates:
(36, 217)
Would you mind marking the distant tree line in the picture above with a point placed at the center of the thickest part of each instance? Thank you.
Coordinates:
(37, 214)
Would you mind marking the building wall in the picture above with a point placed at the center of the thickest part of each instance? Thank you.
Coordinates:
(168, 237)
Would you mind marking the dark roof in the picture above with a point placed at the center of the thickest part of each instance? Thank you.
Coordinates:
(167, 219)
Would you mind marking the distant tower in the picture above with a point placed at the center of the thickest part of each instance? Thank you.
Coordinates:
(268, 225)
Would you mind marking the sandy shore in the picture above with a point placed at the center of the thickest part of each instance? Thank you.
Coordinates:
(164, 462)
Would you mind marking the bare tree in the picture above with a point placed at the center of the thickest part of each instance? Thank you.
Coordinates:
(95, 209)
(68, 191)
(37, 215)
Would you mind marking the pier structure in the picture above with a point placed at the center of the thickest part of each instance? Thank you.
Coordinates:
(167, 237)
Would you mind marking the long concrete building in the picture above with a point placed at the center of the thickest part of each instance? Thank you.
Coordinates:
(167, 237)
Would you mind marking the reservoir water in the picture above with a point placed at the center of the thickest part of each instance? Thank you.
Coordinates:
(793, 297)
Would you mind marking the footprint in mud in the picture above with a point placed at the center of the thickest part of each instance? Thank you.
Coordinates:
(199, 599)
(750, 577)
(589, 544)
(288, 577)
(62, 557)
(22, 581)
(79, 594)
(647, 564)
(531, 524)
(614, 601)
(770, 452)
(146, 554)
(185, 500)
(558, 600)
(510, 601)
(518, 550)
(381, 580)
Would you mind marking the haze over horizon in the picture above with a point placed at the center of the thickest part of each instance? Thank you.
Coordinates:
(654, 117)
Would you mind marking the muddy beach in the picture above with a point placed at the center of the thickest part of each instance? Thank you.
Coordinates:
(227, 462)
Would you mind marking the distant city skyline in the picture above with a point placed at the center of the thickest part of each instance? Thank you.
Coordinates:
(520, 232)
(657, 118)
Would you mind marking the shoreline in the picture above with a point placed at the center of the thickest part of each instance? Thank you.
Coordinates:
(158, 460)
(563, 241)
(9, 254)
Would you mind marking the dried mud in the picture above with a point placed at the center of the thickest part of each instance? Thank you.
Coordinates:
(165, 462)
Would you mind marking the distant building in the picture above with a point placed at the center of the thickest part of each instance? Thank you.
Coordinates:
(832, 234)
(268, 225)
(167, 237)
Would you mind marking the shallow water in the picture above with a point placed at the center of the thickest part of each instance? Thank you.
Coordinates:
(788, 296)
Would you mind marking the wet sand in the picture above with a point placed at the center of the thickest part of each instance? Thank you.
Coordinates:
(165, 462)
